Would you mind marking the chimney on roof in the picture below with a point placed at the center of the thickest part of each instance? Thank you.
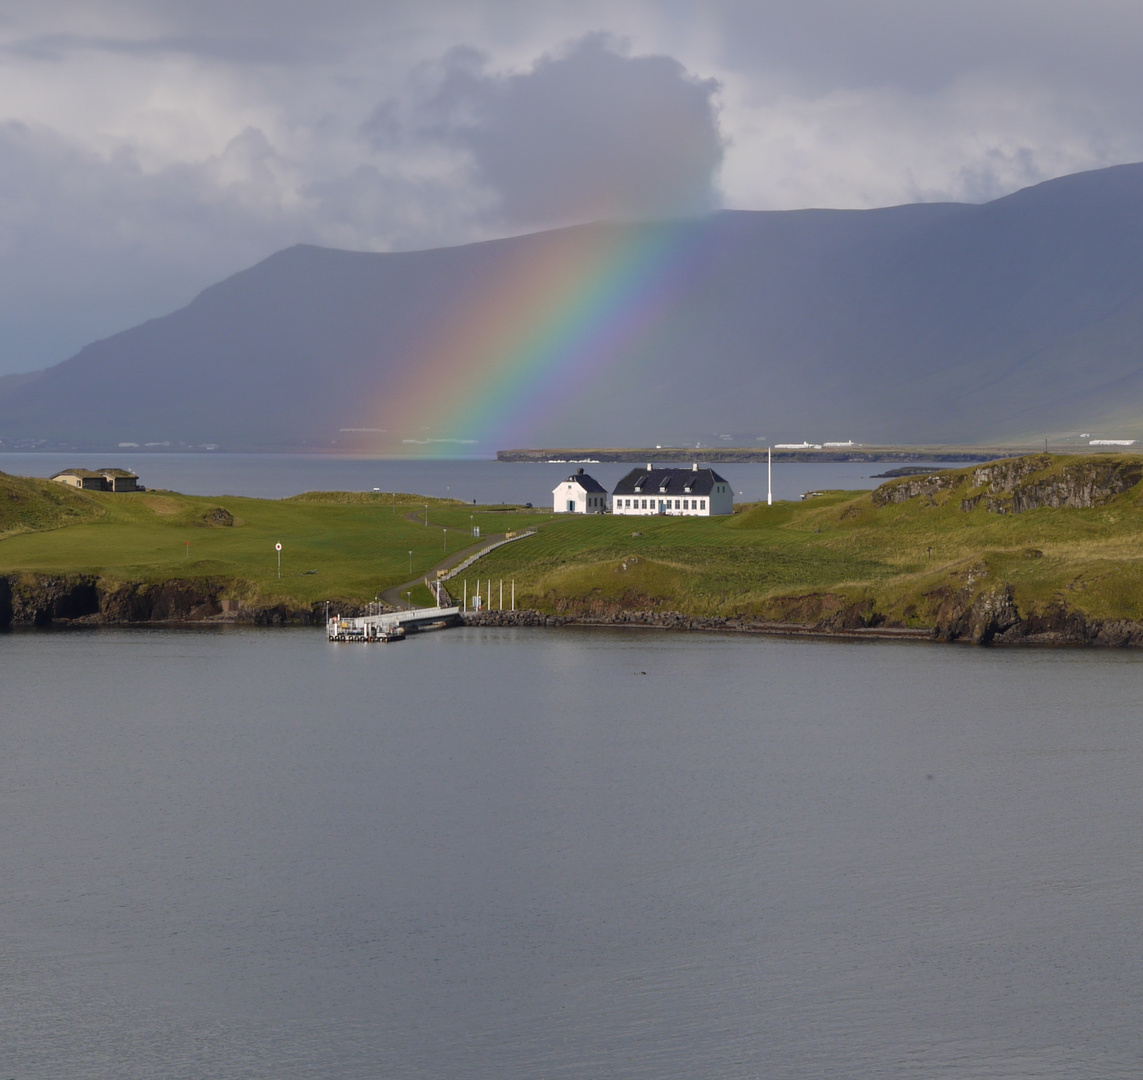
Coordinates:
(579, 472)
(650, 467)
(694, 467)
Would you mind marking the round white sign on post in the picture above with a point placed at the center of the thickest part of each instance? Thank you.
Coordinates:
(277, 547)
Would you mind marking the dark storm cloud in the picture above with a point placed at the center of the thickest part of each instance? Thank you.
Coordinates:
(585, 134)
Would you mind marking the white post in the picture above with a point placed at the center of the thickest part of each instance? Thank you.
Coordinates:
(466, 594)
(501, 594)
(769, 487)
(513, 595)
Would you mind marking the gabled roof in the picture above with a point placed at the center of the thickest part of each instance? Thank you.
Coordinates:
(117, 472)
(675, 482)
(83, 474)
(588, 483)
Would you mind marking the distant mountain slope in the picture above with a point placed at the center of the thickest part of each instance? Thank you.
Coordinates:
(931, 323)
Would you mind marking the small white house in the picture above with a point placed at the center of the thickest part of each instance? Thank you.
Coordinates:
(692, 492)
(579, 494)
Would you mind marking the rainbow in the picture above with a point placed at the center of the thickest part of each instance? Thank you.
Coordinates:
(511, 355)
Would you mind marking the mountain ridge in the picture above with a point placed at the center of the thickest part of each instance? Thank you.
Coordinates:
(932, 322)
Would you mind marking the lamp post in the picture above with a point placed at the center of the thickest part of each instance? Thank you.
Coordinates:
(410, 564)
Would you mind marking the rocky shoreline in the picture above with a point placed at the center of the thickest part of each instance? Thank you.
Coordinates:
(987, 618)
(991, 621)
(673, 620)
(88, 600)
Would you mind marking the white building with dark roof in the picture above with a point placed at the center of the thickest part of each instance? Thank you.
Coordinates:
(579, 494)
(686, 492)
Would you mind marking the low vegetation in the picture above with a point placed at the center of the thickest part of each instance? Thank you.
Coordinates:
(1029, 543)
(335, 545)
(1016, 546)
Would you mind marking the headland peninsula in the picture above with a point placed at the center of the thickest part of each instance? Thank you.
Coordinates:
(1037, 549)
(783, 453)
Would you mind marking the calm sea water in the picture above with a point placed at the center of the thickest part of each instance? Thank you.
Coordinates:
(274, 476)
(567, 854)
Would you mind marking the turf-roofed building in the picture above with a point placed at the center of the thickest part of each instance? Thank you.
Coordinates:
(686, 492)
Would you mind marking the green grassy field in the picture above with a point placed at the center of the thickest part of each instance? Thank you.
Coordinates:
(904, 560)
(333, 544)
(792, 560)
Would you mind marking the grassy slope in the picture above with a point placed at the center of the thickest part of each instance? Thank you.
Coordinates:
(782, 562)
(906, 558)
(358, 544)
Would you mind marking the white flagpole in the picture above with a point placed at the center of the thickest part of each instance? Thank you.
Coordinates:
(769, 486)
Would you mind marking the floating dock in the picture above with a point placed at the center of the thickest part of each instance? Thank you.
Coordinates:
(392, 626)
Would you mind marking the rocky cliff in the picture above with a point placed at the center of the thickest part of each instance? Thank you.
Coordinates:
(79, 599)
(1015, 485)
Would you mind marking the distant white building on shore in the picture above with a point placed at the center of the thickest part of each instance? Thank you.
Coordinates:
(692, 492)
(579, 494)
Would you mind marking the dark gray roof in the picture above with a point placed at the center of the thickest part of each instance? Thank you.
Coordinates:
(676, 482)
(588, 483)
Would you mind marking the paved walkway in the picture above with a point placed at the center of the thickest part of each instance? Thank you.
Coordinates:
(395, 597)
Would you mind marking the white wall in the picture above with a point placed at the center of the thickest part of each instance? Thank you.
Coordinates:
(719, 501)
(583, 502)
(722, 499)
(695, 506)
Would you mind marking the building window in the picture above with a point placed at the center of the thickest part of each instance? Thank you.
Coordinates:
(676, 504)
(644, 506)
(702, 504)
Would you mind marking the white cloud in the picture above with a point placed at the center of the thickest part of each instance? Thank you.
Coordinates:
(975, 140)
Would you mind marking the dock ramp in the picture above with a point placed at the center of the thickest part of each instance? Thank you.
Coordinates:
(375, 628)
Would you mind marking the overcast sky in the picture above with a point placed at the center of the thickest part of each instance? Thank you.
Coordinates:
(151, 147)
